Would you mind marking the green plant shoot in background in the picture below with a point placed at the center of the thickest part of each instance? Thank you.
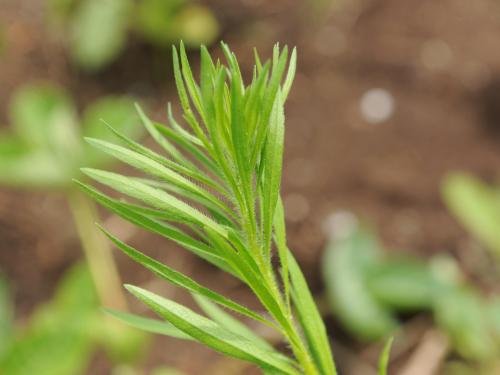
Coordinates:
(216, 192)
(367, 289)
(61, 335)
(476, 205)
(43, 150)
(98, 30)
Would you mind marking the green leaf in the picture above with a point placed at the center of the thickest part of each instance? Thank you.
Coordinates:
(99, 31)
(155, 197)
(189, 171)
(310, 319)
(115, 110)
(346, 264)
(62, 329)
(188, 145)
(148, 325)
(464, 317)
(383, 364)
(212, 334)
(140, 219)
(162, 141)
(238, 131)
(407, 285)
(476, 206)
(45, 149)
(181, 280)
(207, 82)
(229, 322)
(191, 85)
(32, 168)
(292, 67)
(272, 161)
(280, 238)
(269, 100)
(40, 112)
(156, 169)
(155, 18)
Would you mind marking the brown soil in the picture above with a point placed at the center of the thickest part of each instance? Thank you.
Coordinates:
(446, 118)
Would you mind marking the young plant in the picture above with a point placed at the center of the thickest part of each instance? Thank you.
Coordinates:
(215, 190)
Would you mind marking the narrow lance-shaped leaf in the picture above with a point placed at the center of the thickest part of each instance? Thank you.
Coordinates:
(229, 322)
(280, 239)
(181, 280)
(188, 170)
(148, 324)
(310, 319)
(269, 100)
(167, 146)
(155, 197)
(292, 67)
(192, 87)
(271, 180)
(154, 168)
(180, 130)
(222, 217)
(144, 221)
(212, 334)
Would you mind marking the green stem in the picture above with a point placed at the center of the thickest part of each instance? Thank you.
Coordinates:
(298, 346)
(290, 330)
(97, 251)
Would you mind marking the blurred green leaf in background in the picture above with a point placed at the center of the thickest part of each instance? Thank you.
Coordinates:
(99, 30)
(61, 336)
(44, 149)
(45, 145)
(368, 290)
(477, 207)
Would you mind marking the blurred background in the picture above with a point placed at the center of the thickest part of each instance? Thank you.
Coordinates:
(389, 184)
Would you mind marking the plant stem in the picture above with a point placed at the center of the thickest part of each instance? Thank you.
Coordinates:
(290, 330)
(299, 348)
(97, 252)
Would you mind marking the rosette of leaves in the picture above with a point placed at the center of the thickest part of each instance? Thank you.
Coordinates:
(215, 190)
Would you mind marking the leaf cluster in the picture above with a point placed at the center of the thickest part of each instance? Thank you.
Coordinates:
(215, 190)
